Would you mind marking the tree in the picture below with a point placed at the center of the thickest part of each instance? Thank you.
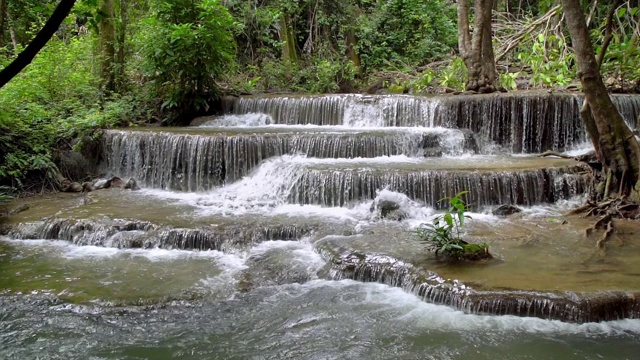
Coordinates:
(477, 51)
(107, 33)
(187, 46)
(26, 56)
(616, 146)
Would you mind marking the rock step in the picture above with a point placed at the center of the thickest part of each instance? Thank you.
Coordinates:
(563, 306)
(126, 234)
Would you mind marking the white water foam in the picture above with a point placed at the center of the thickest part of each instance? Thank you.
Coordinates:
(580, 149)
(250, 119)
(427, 316)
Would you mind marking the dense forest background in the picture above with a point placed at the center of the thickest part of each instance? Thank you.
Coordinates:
(123, 63)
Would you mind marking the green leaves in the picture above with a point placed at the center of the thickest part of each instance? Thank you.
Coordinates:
(187, 45)
(398, 32)
(443, 235)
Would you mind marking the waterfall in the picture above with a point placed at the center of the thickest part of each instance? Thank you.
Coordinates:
(125, 234)
(340, 188)
(529, 122)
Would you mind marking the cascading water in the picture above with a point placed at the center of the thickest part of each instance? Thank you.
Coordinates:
(282, 199)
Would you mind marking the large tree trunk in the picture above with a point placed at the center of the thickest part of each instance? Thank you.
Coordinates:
(615, 145)
(27, 55)
(107, 46)
(477, 50)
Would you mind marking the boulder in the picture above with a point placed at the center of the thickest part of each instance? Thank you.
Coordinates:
(116, 182)
(388, 209)
(101, 184)
(67, 185)
(506, 210)
(132, 184)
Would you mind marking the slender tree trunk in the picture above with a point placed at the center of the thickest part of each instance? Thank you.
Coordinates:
(616, 146)
(121, 45)
(351, 41)
(3, 22)
(477, 50)
(289, 53)
(27, 55)
(107, 46)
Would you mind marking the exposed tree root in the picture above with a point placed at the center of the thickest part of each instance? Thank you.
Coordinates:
(607, 210)
(556, 154)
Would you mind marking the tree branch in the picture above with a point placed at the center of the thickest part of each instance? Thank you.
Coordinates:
(608, 32)
(26, 56)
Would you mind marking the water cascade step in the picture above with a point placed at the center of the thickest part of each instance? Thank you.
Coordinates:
(430, 181)
(529, 122)
(564, 306)
(200, 159)
(131, 234)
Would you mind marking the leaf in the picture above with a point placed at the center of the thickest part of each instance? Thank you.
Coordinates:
(448, 219)
(621, 12)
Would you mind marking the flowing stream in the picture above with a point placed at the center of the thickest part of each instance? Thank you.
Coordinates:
(259, 235)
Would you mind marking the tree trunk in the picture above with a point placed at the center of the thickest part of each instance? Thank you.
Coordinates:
(616, 147)
(289, 53)
(119, 71)
(107, 46)
(49, 29)
(351, 42)
(3, 22)
(477, 50)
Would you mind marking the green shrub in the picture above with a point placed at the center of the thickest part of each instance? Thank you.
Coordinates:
(444, 234)
(406, 32)
(186, 46)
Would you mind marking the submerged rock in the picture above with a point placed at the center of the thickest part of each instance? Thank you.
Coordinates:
(506, 210)
(388, 209)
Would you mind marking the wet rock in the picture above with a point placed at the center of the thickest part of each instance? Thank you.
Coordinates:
(132, 184)
(426, 284)
(397, 215)
(276, 266)
(470, 140)
(87, 186)
(388, 209)
(67, 185)
(116, 182)
(18, 209)
(506, 210)
(101, 184)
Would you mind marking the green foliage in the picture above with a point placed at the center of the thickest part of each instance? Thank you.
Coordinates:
(5, 196)
(623, 54)
(549, 60)
(52, 101)
(405, 31)
(314, 76)
(454, 75)
(508, 80)
(443, 235)
(423, 81)
(186, 46)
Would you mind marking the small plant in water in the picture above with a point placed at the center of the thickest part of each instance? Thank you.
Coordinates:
(443, 235)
